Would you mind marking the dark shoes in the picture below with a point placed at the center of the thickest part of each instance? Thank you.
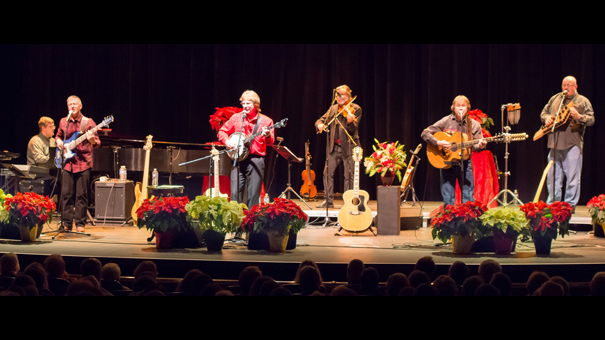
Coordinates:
(323, 205)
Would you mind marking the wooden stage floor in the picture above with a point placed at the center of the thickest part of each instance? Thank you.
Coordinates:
(580, 253)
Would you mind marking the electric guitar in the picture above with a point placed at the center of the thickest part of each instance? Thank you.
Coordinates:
(140, 189)
(215, 189)
(74, 141)
(544, 174)
(561, 119)
(355, 215)
(443, 158)
(408, 173)
(244, 142)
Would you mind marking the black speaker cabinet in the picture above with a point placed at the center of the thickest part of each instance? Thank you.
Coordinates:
(387, 214)
(114, 200)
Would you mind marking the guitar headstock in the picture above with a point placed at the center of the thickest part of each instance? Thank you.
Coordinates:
(281, 123)
(107, 120)
(357, 154)
(148, 144)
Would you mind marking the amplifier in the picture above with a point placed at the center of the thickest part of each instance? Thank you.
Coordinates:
(114, 200)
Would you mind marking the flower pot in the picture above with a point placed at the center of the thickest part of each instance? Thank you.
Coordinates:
(27, 234)
(214, 240)
(462, 244)
(598, 229)
(277, 242)
(542, 245)
(387, 179)
(164, 239)
(503, 244)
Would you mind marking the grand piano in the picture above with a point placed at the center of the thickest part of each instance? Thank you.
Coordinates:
(117, 150)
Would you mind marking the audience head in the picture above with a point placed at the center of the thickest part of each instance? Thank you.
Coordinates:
(427, 265)
(111, 272)
(55, 266)
(470, 285)
(370, 279)
(418, 277)
(487, 289)
(354, 269)
(503, 283)
(148, 267)
(426, 289)
(459, 271)
(9, 264)
(487, 268)
(342, 290)
(551, 288)
(193, 282)
(91, 266)
(307, 263)
(395, 283)
(446, 286)
(597, 284)
(310, 280)
(36, 271)
(247, 277)
(560, 280)
(535, 281)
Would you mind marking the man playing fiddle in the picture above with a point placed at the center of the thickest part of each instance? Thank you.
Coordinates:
(343, 119)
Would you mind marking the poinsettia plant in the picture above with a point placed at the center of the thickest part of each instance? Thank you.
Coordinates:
(280, 216)
(548, 219)
(29, 208)
(459, 219)
(221, 115)
(216, 213)
(159, 214)
(485, 121)
(505, 220)
(386, 157)
(3, 212)
(595, 206)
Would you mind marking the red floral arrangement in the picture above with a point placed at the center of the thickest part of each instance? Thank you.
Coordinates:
(29, 208)
(548, 219)
(159, 214)
(485, 121)
(281, 216)
(222, 115)
(459, 219)
(595, 206)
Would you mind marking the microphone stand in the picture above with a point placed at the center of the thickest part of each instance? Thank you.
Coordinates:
(554, 149)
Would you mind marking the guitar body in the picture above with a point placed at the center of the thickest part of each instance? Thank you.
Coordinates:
(408, 173)
(67, 154)
(308, 189)
(562, 119)
(355, 215)
(441, 158)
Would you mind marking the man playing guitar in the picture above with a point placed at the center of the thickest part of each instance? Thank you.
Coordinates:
(456, 122)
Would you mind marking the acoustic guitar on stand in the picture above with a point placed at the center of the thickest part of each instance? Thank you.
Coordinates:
(308, 189)
(408, 173)
(442, 158)
(215, 189)
(140, 189)
(355, 215)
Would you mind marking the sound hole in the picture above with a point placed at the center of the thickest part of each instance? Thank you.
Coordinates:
(356, 201)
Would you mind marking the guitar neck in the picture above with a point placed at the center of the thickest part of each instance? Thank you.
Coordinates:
(80, 139)
(145, 175)
(470, 143)
(356, 181)
(216, 179)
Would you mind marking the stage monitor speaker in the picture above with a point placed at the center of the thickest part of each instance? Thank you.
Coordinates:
(387, 215)
(114, 200)
(411, 217)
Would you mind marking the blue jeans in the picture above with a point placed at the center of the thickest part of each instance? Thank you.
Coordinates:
(569, 164)
(448, 179)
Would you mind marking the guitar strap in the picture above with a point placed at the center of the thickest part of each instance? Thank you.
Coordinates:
(83, 124)
(257, 123)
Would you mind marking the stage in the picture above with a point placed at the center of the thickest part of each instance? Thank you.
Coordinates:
(576, 257)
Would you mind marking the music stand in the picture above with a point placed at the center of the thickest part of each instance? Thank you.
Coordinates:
(18, 176)
(287, 154)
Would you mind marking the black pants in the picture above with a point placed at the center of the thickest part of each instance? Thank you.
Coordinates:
(247, 177)
(334, 159)
(74, 194)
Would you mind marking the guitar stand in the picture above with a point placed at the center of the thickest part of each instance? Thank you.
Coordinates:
(355, 232)
(410, 187)
(287, 154)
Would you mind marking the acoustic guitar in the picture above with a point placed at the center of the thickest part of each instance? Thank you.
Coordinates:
(443, 158)
(215, 190)
(140, 189)
(239, 138)
(561, 119)
(355, 215)
(408, 173)
(308, 189)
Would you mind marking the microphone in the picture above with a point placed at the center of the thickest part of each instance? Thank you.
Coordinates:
(565, 92)
(69, 115)
(245, 113)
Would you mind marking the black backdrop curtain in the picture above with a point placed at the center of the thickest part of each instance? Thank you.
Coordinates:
(169, 91)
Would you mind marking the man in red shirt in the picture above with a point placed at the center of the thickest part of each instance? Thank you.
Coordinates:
(75, 177)
(249, 173)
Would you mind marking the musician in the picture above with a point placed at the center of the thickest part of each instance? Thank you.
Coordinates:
(38, 147)
(76, 170)
(456, 121)
(569, 139)
(249, 173)
(339, 148)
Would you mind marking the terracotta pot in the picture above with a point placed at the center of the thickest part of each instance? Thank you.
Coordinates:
(164, 240)
(462, 244)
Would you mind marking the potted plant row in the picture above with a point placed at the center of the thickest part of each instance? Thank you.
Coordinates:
(470, 222)
(595, 206)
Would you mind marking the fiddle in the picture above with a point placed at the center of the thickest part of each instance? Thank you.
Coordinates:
(346, 110)
(308, 189)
